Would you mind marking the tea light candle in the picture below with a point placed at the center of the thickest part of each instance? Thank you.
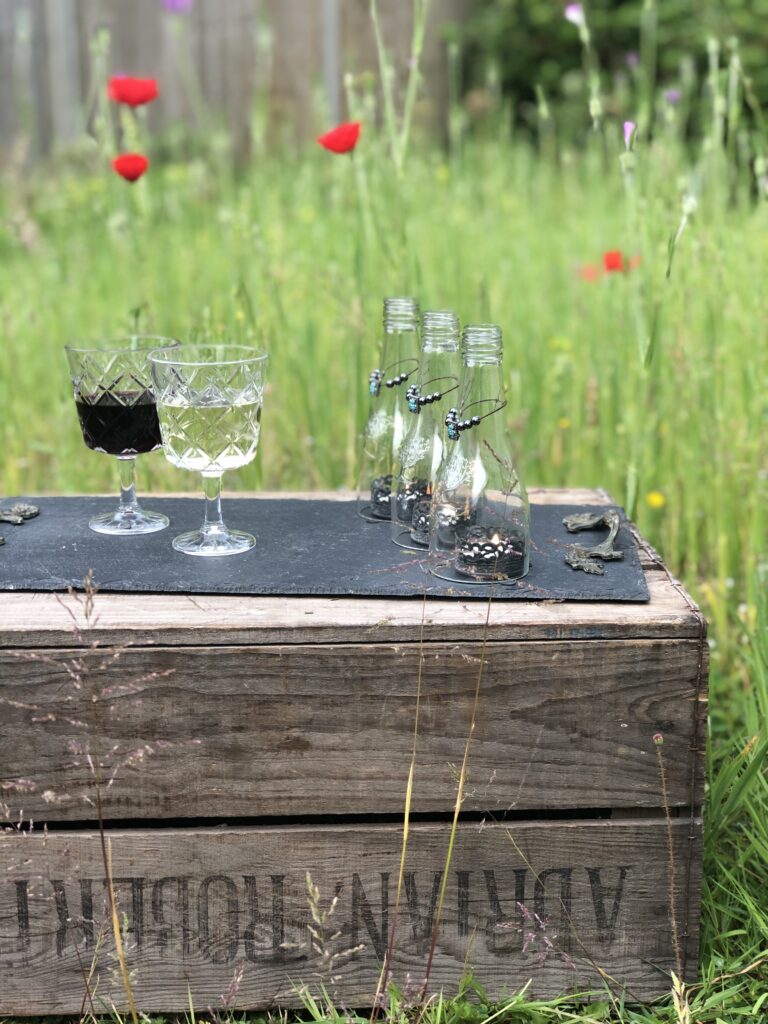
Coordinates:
(381, 489)
(489, 554)
(420, 520)
(407, 498)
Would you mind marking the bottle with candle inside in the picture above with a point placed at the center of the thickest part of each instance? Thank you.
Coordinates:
(421, 453)
(480, 527)
(386, 424)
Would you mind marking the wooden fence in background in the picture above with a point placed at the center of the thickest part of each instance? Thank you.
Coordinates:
(292, 52)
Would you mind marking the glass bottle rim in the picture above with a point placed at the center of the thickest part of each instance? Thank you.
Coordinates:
(483, 330)
(440, 318)
(250, 354)
(482, 344)
(440, 330)
(401, 302)
(122, 343)
(401, 312)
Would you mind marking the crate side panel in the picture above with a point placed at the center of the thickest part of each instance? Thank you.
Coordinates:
(247, 732)
(546, 902)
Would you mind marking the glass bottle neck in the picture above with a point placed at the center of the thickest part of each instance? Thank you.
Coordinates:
(438, 372)
(482, 389)
(436, 364)
(399, 345)
(481, 382)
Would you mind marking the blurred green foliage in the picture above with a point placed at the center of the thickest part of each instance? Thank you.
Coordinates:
(518, 45)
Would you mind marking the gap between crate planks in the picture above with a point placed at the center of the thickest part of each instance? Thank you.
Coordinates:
(290, 720)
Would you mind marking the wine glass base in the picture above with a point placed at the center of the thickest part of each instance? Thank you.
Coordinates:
(128, 524)
(212, 545)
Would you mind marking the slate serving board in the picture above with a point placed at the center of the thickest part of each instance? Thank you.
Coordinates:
(305, 548)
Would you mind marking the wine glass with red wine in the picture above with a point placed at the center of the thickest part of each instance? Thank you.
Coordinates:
(118, 416)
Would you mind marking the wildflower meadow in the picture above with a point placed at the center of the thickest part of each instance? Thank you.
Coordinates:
(625, 268)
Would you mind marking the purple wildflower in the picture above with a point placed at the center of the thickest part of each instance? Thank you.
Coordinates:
(629, 133)
(178, 6)
(672, 96)
(575, 14)
(632, 59)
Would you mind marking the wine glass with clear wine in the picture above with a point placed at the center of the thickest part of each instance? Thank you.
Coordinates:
(209, 400)
(116, 406)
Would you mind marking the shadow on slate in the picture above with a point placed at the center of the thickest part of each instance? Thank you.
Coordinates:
(304, 548)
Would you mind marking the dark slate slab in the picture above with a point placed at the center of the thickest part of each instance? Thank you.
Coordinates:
(309, 548)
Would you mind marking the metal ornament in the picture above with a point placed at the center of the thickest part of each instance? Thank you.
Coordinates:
(455, 424)
(416, 400)
(376, 376)
(590, 559)
(17, 513)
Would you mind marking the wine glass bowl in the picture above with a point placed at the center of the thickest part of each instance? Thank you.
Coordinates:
(209, 400)
(116, 408)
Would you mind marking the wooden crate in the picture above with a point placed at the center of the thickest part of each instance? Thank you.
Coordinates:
(243, 742)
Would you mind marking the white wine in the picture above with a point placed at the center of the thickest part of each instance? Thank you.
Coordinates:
(210, 432)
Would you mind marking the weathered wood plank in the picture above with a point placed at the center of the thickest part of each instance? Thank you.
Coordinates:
(249, 732)
(296, 27)
(41, 620)
(66, 116)
(201, 904)
(40, 78)
(9, 120)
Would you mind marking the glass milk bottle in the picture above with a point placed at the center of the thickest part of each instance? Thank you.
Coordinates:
(421, 453)
(480, 519)
(386, 424)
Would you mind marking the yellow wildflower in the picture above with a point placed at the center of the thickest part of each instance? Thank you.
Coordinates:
(560, 344)
(564, 423)
(655, 499)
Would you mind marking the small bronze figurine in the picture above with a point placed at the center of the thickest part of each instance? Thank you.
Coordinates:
(590, 559)
(16, 514)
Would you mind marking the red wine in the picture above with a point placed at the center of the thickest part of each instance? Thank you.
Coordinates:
(120, 423)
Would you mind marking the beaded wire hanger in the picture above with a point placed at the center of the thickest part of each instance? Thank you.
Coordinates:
(376, 376)
(416, 400)
(456, 425)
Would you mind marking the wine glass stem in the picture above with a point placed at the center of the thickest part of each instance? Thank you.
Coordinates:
(128, 503)
(212, 490)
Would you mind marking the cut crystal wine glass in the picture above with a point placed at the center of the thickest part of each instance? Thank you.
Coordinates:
(209, 400)
(116, 406)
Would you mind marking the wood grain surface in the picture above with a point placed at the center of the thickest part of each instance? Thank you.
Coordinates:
(547, 902)
(288, 730)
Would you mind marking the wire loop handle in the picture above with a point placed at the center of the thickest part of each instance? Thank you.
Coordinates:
(455, 425)
(416, 400)
(376, 376)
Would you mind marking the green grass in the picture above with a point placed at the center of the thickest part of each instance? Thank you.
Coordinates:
(288, 255)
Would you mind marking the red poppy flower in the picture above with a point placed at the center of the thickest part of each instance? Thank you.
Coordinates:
(132, 91)
(342, 138)
(590, 272)
(613, 261)
(130, 166)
